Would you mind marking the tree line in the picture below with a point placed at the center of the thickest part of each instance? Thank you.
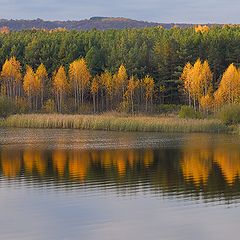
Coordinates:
(156, 52)
(75, 88)
(200, 90)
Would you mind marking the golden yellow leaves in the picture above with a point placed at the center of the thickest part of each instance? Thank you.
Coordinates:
(201, 29)
(31, 84)
(197, 81)
(229, 88)
(95, 85)
(79, 73)
(60, 82)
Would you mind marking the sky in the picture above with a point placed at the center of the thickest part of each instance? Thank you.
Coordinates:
(165, 11)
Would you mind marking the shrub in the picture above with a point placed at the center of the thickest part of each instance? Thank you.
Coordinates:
(188, 112)
(84, 108)
(7, 107)
(49, 106)
(124, 107)
(167, 108)
(229, 114)
(21, 106)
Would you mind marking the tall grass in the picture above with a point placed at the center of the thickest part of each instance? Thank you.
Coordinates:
(114, 123)
(229, 114)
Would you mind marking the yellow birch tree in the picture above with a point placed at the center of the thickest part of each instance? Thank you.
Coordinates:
(79, 77)
(60, 85)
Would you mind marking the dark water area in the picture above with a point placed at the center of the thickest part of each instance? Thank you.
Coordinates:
(70, 184)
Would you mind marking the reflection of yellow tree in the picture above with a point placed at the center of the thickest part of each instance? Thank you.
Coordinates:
(133, 157)
(120, 161)
(196, 166)
(148, 158)
(11, 163)
(94, 156)
(79, 164)
(114, 158)
(229, 162)
(34, 159)
(106, 159)
(59, 158)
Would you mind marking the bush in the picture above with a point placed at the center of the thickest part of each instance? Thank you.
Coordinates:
(84, 108)
(49, 106)
(167, 108)
(188, 112)
(7, 107)
(229, 114)
(21, 106)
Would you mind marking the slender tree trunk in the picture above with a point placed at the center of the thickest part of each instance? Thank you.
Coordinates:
(94, 103)
(132, 102)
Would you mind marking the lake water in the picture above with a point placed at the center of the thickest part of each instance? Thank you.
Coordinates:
(70, 184)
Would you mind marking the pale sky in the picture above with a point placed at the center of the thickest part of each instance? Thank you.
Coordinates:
(177, 11)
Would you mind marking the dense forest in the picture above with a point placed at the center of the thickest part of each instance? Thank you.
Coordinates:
(131, 70)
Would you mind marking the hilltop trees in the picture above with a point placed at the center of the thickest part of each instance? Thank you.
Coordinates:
(202, 29)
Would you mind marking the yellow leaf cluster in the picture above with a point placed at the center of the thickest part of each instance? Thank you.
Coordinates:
(133, 83)
(11, 70)
(106, 81)
(60, 82)
(197, 80)
(201, 29)
(79, 73)
(95, 85)
(229, 87)
(149, 86)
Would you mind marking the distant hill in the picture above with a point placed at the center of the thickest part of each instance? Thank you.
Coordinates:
(101, 23)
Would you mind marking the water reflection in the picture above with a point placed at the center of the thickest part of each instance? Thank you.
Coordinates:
(199, 167)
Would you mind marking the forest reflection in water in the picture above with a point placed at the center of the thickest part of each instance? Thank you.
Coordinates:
(198, 167)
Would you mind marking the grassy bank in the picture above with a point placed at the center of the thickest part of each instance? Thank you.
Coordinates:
(114, 123)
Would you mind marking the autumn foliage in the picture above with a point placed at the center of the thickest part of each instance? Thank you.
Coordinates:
(73, 88)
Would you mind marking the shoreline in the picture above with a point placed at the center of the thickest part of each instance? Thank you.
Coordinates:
(113, 122)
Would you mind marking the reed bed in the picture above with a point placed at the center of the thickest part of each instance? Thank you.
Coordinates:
(114, 123)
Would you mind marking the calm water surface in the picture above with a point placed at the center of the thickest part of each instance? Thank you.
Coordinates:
(69, 184)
